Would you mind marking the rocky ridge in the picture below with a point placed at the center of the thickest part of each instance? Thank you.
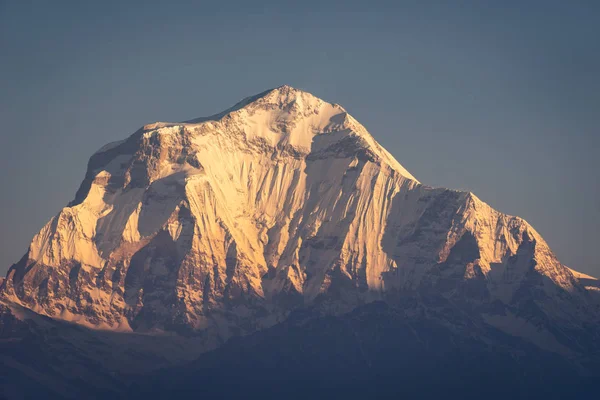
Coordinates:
(221, 226)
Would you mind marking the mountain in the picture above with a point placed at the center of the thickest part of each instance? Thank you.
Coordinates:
(412, 349)
(41, 357)
(229, 225)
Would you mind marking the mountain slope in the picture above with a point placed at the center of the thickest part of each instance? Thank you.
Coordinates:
(46, 358)
(221, 226)
(418, 349)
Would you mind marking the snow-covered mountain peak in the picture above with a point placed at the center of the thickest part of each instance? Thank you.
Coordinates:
(281, 122)
(287, 94)
(283, 96)
(286, 97)
(229, 221)
(282, 213)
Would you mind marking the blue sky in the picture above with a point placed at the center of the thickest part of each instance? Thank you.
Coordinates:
(500, 98)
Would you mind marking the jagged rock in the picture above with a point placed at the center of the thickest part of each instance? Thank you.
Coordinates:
(223, 225)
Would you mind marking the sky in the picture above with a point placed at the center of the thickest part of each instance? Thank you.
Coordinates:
(499, 98)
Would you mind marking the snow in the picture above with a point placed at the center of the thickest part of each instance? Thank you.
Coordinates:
(580, 275)
(109, 146)
(278, 196)
(520, 327)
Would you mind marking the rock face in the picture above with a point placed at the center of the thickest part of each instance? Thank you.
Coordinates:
(223, 225)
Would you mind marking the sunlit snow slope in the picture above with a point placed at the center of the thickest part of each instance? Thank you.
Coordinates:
(224, 224)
